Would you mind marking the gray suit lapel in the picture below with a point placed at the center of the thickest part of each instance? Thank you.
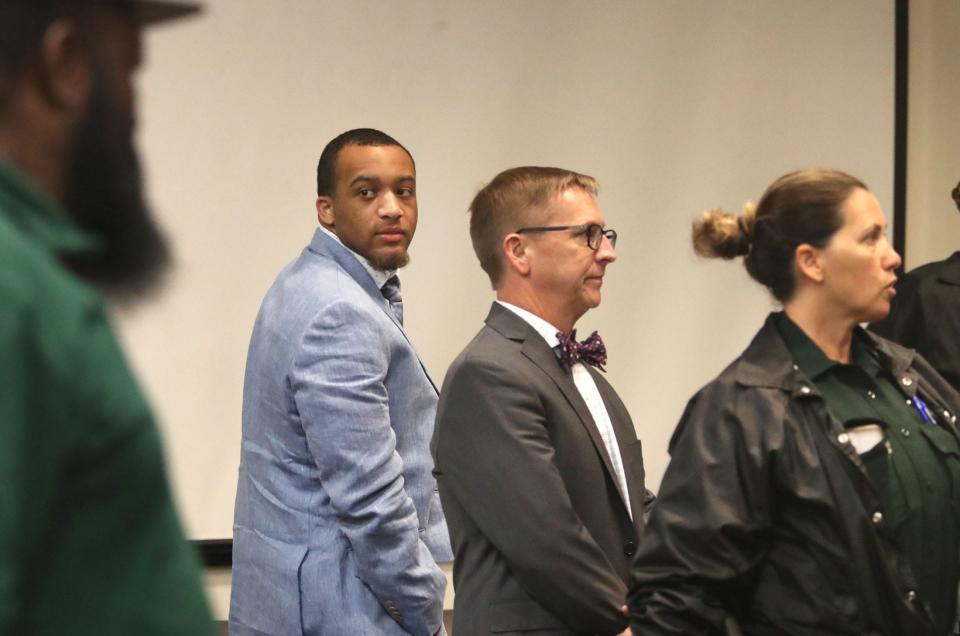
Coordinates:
(536, 350)
(325, 246)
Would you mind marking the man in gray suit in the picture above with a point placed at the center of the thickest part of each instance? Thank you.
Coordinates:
(338, 526)
(539, 468)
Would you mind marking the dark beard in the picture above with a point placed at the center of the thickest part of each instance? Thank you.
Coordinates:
(103, 193)
(389, 263)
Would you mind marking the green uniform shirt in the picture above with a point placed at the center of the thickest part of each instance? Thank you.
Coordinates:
(89, 540)
(915, 469)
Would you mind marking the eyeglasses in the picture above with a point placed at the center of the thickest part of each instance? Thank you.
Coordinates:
(592, 231)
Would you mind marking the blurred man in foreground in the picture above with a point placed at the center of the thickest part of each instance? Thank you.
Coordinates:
(89, 539)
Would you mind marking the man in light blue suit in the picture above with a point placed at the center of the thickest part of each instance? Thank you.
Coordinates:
(338, 526)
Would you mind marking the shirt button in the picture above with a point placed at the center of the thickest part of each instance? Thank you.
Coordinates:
(909, 402)
(804, 389)
(843, 438)
(906, 381)
(911, 596)
(905, 432)
(871, 395)
(877, 517)
(796, 367)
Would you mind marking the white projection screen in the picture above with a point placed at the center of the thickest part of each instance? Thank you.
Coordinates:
(675, 106)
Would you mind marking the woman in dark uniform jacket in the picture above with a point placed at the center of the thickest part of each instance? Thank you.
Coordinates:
(813, 486)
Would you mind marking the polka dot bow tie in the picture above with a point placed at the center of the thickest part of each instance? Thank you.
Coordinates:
(590, 351)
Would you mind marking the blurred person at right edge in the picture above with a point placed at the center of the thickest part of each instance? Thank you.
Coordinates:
(813, 485)
(925, 313)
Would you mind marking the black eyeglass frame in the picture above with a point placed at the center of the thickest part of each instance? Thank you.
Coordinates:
(586, 229)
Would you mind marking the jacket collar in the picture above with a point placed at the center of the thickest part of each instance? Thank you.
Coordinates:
(508, 324)
(326, 246)
(379, 277)
(951, 270)
(898, 360)
(38, 217)
(767, 362)
(534, 347)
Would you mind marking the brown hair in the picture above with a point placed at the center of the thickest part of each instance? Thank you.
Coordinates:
(514, 199)
(799, 207)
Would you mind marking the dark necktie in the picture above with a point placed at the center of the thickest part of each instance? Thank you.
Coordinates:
(590, 351)
(391, 291)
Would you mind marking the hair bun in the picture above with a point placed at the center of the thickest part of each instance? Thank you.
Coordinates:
(720, 234)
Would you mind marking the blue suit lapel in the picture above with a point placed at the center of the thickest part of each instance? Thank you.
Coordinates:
(325, 246)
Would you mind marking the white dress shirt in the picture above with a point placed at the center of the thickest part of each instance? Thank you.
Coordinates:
(590, 394)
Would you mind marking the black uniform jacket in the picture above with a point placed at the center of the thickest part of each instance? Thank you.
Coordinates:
(766, 522)
(925, 315)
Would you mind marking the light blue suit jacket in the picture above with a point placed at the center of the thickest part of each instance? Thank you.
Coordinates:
(337, 526)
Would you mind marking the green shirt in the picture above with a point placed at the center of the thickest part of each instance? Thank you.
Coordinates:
(915, 470)
(89, 539)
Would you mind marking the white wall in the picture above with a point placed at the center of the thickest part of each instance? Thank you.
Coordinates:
(933, 138)
(674, 106)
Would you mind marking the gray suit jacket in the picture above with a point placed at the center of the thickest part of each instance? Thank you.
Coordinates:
(542, 538)
(337, 524)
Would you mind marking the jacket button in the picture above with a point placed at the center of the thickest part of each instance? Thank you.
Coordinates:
(911, 596)
(804, 389)
(877, 517)
(906, 381)
(629, 548)
(843, 438)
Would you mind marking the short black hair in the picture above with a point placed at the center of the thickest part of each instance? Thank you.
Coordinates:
(326, 167)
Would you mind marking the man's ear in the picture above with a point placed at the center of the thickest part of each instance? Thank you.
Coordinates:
(325, 212)
(515, 256)
(807, 260)
(64, 66)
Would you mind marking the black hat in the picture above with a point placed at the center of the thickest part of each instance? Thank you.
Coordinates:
(147, 12)
(154, 11)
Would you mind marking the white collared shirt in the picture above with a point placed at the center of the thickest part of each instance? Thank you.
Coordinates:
(590, 394)
(379, 276)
